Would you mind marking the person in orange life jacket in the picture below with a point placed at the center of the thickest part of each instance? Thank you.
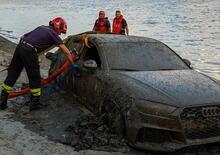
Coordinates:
(102, 24)
(26, 56)
(119, 25)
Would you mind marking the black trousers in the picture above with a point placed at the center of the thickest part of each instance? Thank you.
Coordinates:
(24, 57)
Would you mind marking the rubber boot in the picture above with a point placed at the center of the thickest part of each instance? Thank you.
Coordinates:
(3, 100)
(35, 103)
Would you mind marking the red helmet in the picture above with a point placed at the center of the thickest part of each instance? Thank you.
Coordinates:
(102, 12)
(59, 24)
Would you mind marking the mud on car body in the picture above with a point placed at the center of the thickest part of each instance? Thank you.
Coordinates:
(144, 90)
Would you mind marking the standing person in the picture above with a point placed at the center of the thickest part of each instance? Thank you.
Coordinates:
(26, 56)
(102, 24)
(120, 25)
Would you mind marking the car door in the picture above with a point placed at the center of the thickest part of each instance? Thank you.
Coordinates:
(89, 84)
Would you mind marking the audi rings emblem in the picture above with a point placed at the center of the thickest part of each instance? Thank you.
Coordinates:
(211, 112)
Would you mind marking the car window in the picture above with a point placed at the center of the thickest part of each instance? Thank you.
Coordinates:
(141, 56)
(91, 54)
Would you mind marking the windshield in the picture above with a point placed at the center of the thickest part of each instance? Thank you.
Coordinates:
(141, 56)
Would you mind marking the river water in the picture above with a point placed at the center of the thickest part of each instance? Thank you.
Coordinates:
(190, 27)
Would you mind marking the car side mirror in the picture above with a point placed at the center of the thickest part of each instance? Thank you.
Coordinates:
(90, 64)
(187, 62)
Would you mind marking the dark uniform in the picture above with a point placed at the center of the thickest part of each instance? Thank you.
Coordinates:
(124, 24)
(26, 56)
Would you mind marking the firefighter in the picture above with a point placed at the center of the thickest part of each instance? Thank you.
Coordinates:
(120, 25)
(26, 56)
(102, 24)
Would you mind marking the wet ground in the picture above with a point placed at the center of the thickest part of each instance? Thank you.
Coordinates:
(15, 139)
(63, 120)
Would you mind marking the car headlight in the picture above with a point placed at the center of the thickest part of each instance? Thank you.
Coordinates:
(154, 108)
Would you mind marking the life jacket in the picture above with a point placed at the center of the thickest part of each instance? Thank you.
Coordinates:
(117, 25)
(101, 25)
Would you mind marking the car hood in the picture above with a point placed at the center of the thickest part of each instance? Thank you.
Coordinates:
(179, 88)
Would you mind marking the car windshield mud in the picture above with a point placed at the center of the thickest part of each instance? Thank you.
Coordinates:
(142, 56)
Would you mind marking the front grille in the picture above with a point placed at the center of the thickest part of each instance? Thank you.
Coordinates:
(201, 122)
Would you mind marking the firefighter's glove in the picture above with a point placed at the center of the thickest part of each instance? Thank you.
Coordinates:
(74, 67)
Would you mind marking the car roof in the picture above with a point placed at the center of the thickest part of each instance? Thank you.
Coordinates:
(113, 38)
(99, 37)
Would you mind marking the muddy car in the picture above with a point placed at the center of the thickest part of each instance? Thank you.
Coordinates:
(143, 90)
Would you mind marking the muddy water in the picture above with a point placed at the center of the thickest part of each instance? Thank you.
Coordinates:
(190, 27)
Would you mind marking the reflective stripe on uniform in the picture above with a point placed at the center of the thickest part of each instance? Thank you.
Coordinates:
(36, 92)
(7, 88)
